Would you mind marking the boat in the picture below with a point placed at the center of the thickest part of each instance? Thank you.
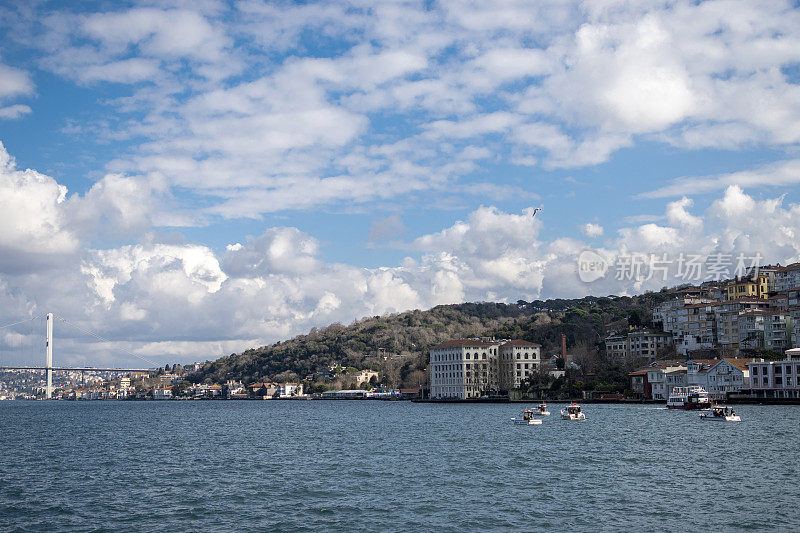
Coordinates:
(541, 410)
(572, 412)
(721, 413)
(692, 397)
(526, 418)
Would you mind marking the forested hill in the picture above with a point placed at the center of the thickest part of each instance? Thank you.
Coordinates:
(407, 337)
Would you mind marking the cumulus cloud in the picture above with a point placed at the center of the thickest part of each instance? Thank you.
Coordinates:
(591, 229)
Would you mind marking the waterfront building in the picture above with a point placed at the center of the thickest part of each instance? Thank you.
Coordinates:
(776, 379)
(517, 360)
(290, 390)
(263, 390)
(162, 393)
(657, 380)
(463, 368)
(470, 368)
(719, 376)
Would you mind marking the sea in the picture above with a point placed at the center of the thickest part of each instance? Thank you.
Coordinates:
(354, 465)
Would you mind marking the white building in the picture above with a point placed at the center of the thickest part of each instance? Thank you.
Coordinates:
(775, 379)
(164, 393)
(463, 368)
(364, 376)
(719, 376)
(518, 360)
(662, 380)
(289, 390)
(696, 328)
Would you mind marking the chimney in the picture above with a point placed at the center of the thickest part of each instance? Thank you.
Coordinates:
(563, 347)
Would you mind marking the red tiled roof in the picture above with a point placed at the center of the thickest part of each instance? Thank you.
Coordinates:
(520, 342)
(739, 362)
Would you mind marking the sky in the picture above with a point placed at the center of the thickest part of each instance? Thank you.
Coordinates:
(191, 179)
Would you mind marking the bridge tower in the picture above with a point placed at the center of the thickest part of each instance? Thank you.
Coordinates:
(48, 362)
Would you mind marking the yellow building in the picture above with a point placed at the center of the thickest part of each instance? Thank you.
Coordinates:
(748, 288)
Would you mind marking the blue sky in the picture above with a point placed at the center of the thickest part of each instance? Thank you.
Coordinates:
(267, 167)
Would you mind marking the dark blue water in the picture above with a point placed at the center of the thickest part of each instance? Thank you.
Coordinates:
(345, 465)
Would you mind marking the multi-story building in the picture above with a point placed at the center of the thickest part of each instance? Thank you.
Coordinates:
(661, 379)
(777, 330)
(289, 390)
(617, 346)
(469, 368)
(775, 379)
(787, 277)
(666, 313)
(656, 381)
(748, 287)
(647, 344)
(518, 360)
(727, 322)
(637, 344)
(696, 328)
(719, 376)
(750, 324)
(364, 376)
(463, 368)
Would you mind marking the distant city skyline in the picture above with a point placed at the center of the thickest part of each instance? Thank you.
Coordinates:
(190, 179)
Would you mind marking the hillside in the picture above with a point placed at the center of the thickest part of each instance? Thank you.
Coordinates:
(407, 337)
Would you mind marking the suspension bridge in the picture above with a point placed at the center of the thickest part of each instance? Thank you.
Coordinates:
(48, 367)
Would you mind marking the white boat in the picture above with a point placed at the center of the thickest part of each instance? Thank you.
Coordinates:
(721, 413)
(692, 397)
(572, 412)
(526, 418)
(541, 410)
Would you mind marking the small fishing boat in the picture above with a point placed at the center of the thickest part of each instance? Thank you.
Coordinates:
(526, 418)
(541, 410)
(721, 413)
(573, 412)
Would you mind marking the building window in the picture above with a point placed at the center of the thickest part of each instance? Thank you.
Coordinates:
(778, 369)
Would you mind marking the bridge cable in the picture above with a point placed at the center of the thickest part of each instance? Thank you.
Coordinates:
(21, 322)
(95, 335)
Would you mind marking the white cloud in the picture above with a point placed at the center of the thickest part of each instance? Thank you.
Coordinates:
(778, 174)
(591, 229)
(13, 112)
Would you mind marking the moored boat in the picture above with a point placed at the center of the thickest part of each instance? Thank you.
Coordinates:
(721, 413)
(692, 397)
(526, 418)
(573, 412)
